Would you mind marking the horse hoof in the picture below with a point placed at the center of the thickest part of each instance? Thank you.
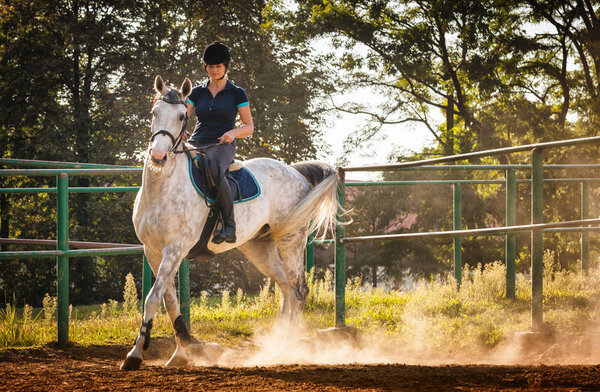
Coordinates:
(178, 361)
(131, 363)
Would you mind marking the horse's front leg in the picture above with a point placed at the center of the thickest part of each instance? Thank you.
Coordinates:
(165, 276)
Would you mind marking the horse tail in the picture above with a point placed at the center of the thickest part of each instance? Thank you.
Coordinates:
(318, 209)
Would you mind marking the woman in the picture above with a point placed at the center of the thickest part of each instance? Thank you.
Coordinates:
(217, 104)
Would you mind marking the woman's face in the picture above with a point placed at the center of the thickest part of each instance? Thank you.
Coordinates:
(216, 71)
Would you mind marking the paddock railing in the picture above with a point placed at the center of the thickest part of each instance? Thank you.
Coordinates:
(64, 251)
(536, 228)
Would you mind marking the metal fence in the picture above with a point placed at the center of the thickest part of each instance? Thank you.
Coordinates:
(63, 251)
(62, 171)
(536, 228)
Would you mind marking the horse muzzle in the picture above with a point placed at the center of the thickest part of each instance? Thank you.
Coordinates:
(157, 161)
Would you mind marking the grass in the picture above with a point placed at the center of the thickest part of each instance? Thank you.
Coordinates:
(433, 315)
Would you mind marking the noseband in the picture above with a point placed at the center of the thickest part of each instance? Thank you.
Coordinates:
(176, 142)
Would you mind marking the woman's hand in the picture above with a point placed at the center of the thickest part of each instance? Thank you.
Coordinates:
(228, 137)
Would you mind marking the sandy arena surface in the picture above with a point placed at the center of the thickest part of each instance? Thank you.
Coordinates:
(97, 369)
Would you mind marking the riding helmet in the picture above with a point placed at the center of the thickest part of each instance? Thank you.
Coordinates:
(215, 53)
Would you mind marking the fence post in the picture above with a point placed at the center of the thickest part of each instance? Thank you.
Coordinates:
(457, 203)
(184, 290)
(510, 242)
(340, 261)
(537, 250)
(146, 281)
(309, 254)
(62, 262)
(585, 236)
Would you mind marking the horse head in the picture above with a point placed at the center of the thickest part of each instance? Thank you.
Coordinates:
(169, 118)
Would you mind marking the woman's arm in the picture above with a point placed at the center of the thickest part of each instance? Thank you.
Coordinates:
(245, 130)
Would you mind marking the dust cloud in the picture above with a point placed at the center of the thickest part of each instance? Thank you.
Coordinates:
(333, 348)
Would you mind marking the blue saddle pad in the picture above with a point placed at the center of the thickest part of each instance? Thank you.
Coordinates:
(248, 187)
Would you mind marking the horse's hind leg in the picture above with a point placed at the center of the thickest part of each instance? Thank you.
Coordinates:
(182, 335)
(292, 254)
(264, 255)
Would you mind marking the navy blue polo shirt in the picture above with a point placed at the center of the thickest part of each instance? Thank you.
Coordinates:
(215, 116)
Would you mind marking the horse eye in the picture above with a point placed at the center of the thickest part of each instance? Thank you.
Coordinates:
(181, 117)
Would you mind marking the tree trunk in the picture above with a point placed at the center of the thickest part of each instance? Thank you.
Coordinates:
(449, 140)
(562, 117)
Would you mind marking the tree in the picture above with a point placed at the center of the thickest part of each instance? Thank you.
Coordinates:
(76, 85)
(496, 82)
(424, 55)
(56, 60)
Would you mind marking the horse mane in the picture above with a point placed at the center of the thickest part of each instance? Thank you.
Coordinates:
(313, 171)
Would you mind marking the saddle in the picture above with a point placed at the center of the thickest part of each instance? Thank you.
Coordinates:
(241, 181)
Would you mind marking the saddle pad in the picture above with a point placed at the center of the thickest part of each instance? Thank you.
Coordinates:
(249, 188)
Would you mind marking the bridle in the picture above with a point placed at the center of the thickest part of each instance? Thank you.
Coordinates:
(176, 142)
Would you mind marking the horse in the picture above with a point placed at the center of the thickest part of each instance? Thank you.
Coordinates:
(169, 215)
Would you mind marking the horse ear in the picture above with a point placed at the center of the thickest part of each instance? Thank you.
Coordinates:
(159, 85)
(186, 88)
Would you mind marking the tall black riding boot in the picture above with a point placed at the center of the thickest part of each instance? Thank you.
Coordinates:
(225, 202)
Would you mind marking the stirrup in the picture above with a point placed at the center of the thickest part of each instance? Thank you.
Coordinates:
(222, 237)
(217, 232)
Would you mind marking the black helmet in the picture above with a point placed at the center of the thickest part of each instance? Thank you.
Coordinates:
(216, 53)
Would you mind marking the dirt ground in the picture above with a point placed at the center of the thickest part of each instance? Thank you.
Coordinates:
(97, 369)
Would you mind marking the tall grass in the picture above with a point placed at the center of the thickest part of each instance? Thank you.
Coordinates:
(433, 315)
(20, 331)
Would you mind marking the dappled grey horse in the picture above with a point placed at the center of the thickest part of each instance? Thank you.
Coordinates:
(272, 228)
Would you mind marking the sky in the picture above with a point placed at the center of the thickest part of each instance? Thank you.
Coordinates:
(402, 137)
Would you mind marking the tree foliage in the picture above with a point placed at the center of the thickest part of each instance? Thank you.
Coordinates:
(478, 75)
(76, 85)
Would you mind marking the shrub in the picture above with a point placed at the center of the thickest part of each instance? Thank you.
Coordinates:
(49, 305)
(130, 297)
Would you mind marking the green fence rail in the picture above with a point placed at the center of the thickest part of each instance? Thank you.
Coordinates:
(477, 154)
(62, 243)
(510, 246)
(92, 189)
(72, 244)
(57, 164)
(70, 172)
